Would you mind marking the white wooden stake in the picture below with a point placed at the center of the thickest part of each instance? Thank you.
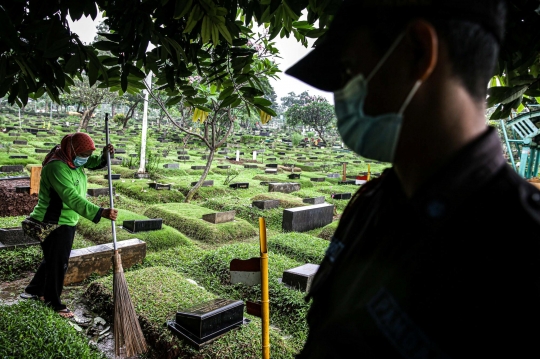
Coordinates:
(142, 167)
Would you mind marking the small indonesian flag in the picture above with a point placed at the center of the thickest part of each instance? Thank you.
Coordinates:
(361, 179)
(246, 271)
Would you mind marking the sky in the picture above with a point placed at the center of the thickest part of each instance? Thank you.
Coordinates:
(290, 52)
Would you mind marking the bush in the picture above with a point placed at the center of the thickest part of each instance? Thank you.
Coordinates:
(158, 293)
(301, 247)
(187, 218)
(31, 330)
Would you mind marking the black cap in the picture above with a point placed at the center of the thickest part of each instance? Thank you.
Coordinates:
(321, 68)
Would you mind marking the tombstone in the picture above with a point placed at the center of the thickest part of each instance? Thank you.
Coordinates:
(271, 171)
(22, 189)
(224, 167)
(198, 167)
(142, 225)
(49, 144)
(133, 155)
(302, 219)
(219, 217)
(294, 176)
(84, 262)
(119, 151)
(314, 158)
(347, 182)
(171, 165)
(314, 200)
(356, 161)
(266, 204)
(205, 322)
(300, 277)
(14, 237)
(96, 192)
(207, 183)
(113, 177)
(301, 158)
(341, 196)
(20, 142)
(182, 152)
(183, 158)
(251, 166)
(19, 156)
(41, 150)
(284, 187)
(13, 134)
(317, 179)
(239, 185)
(271, 159)
(160, 186)
(333, 175)
(12, 168)
(281, 153)
(272, 165)
(116, 161)
(264, 183)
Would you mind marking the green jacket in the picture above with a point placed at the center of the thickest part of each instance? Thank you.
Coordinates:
(62, 194)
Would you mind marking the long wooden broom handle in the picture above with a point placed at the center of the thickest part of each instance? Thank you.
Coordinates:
(109, 176)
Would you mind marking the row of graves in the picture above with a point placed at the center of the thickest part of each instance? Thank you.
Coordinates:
(299, 189)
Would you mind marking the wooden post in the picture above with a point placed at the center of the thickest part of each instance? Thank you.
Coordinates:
(35, 177)
(265, 297)
(344, 178)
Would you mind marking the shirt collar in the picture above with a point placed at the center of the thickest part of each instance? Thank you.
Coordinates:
(465, 173)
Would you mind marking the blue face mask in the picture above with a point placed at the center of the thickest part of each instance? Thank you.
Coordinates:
(80, 161)
(373, 137)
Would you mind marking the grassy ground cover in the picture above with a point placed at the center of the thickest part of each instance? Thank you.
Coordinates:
(159, 292)
(155, 240)
(31, 330)
(187, 218)
(328, 231)
(299, 246)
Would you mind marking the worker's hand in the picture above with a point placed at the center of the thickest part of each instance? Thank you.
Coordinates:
(110, 213)
(109, 148)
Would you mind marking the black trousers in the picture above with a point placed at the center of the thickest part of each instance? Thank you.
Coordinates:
(49, 278)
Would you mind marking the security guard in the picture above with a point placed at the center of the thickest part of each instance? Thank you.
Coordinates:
(439, 257)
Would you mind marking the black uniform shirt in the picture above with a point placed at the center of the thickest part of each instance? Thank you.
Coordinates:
(452, 272)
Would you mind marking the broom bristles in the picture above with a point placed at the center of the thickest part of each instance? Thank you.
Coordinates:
(127, 331)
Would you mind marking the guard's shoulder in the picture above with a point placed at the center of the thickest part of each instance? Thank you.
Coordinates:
(525, 199)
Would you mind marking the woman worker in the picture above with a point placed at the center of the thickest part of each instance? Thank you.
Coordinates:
(61, 200)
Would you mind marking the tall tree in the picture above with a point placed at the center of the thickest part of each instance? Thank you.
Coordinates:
(317, 113)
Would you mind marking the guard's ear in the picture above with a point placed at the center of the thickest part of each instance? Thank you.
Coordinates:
(425, 40)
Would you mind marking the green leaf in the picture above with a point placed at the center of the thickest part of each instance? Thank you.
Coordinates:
(503, 95)
(228, 101)
(268, 110)
(226, 93)
(104, 45)
(173, 101)
(262, 101)
(181, 8)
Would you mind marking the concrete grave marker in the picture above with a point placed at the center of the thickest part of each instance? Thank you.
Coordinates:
(300, 277)
(266, 204)
(143, 225)
(314, 200)
(285, 187)
(96, 192)
(301, 219)
(219, 217)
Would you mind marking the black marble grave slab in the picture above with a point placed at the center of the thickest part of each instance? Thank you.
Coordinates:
(203, 323)
(143, 225)
(243, 185)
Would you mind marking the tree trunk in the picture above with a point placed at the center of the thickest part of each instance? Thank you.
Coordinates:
(112, 110)
(85, 118)
(320, 135)
(195, 188)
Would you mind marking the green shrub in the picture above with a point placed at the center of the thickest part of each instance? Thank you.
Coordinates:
(158, 293)
(155, 240)
(299, 246)
(31, 330)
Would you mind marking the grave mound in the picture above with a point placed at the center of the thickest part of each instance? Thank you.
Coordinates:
(157, 294)
(187, 219)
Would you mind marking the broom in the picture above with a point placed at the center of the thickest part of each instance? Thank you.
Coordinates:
(127, 331)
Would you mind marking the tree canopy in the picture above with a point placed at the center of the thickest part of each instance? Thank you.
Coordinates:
(313, 112)
(39, 54)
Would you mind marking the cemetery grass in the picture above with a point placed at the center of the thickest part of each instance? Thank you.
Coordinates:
(155, 303)
(39, 332)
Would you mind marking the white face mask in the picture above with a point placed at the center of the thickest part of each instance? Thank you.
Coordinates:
(373, 137)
